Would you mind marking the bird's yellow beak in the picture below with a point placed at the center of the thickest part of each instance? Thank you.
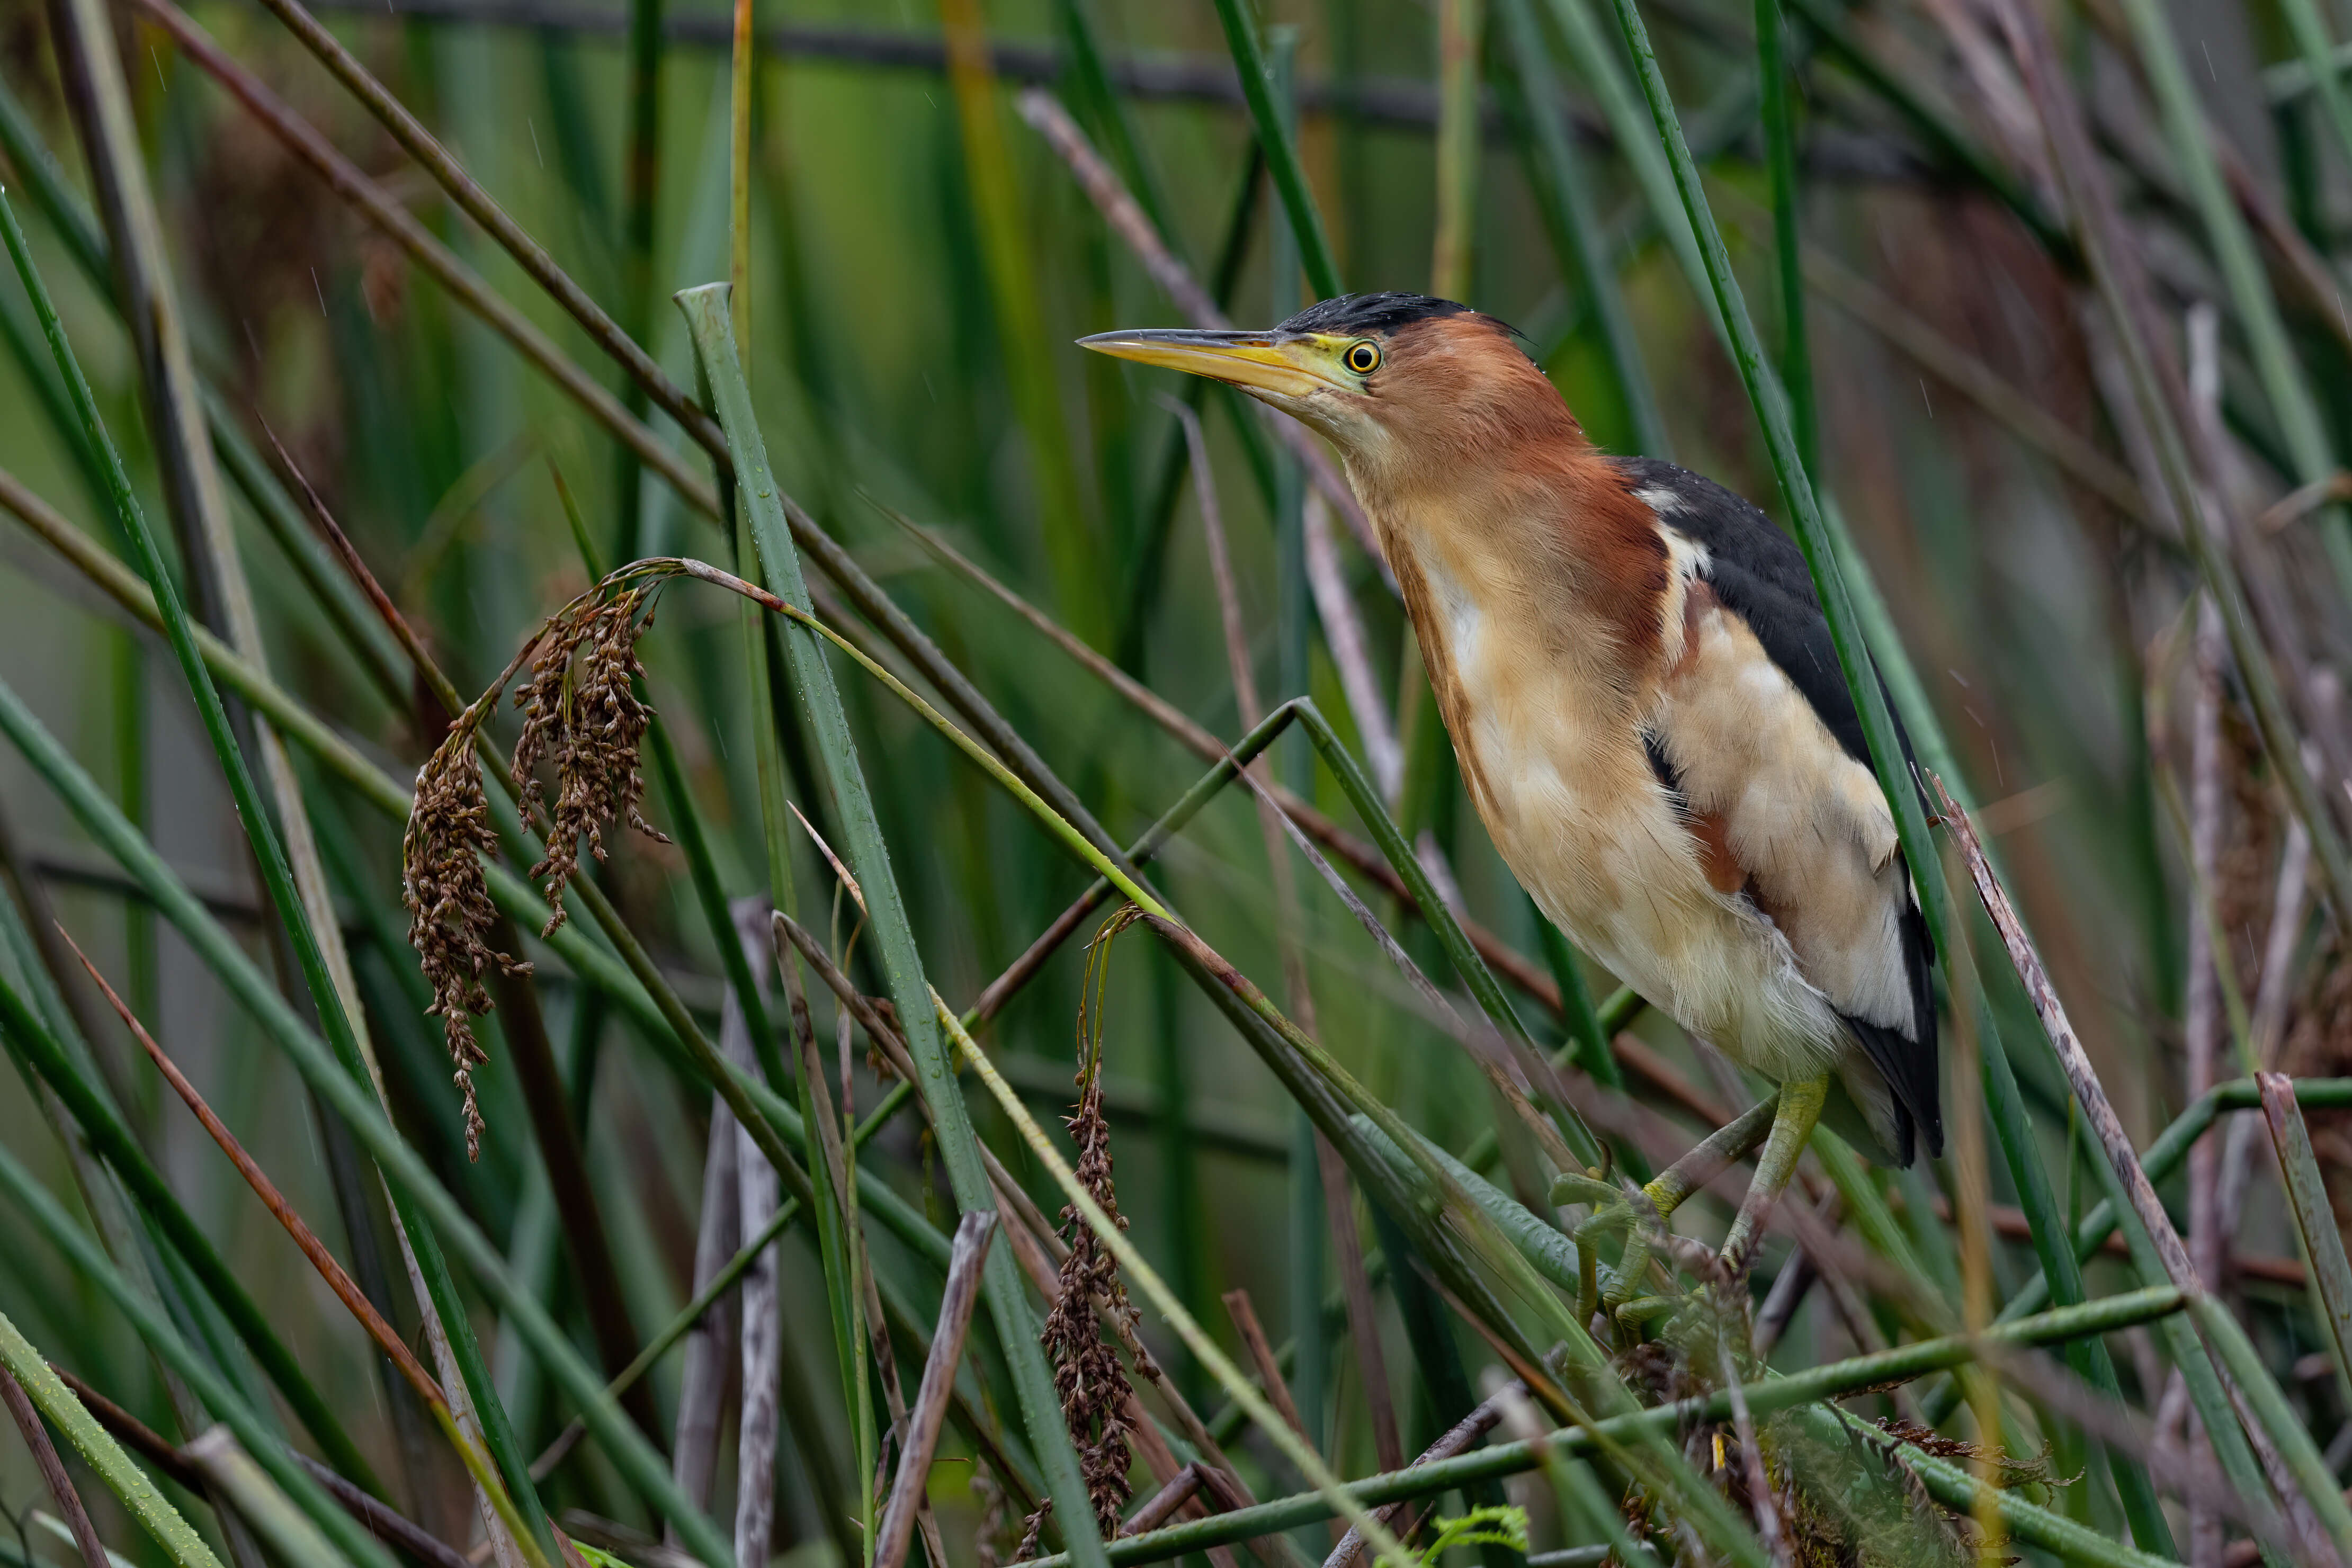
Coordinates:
(1255, 361)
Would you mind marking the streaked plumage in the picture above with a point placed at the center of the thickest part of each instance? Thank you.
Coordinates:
(1642, 693)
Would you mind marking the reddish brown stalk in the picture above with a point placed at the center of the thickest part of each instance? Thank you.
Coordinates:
(357, 568)
(1239, 1307)
(346, 1291)
(53, 1471)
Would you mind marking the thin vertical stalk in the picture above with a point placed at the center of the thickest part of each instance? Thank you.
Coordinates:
(1281, 152)
(1770, 403)
(762, 1336)
(957, 1299)
(1072, 557)
(53, 1471)
(1774, 73)
(742, 62)
(1100, 98)
(710, 1342)
(1314, 1208)
(1460, 24)
(641, 182)
(2329, 1275)
(2310, 30)
(1971, 1197)
(1531, 96)
(2200, 1004)
(1603, 71)
(894, 941)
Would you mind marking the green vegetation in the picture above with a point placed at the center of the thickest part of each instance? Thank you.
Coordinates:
(611, 739)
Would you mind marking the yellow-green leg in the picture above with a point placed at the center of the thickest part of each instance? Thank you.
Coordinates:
(1792, 1128)
(1614, 1210)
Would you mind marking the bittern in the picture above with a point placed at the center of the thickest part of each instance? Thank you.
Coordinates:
(1647, 708)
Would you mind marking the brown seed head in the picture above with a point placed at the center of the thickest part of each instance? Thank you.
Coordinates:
(449, 910)
(580, 709)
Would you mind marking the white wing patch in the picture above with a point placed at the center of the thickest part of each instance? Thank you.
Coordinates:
(1805, 820)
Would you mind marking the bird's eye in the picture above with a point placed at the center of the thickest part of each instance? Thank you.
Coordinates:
(1362, 358)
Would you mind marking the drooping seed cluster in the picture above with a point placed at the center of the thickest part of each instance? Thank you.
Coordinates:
(1088, 1376)
(581, 709)
(581, 713)
(449, 910)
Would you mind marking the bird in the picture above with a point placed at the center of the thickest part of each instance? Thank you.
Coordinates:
(1647, 710)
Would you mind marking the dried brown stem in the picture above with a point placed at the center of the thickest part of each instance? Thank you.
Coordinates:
(1239, 1307)
(1457, 1439)
(956, 1301)
(1161, 1505)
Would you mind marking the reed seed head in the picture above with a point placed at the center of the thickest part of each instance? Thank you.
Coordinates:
(581, 711)
(450, 915)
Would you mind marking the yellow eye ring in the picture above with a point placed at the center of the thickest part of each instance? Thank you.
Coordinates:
(1362, 358)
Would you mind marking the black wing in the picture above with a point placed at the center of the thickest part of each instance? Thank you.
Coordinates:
(1761, 575)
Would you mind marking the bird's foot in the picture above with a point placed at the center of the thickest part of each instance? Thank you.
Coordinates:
(1640, 1214)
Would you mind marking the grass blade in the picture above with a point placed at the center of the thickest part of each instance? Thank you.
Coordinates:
(1281, 153)
(706, 314)
(1072, 558)
(1531, 96)
(31, 1199)
(2314, 1219)
(1460, 24)
(46, 1461)
(1773, 70)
